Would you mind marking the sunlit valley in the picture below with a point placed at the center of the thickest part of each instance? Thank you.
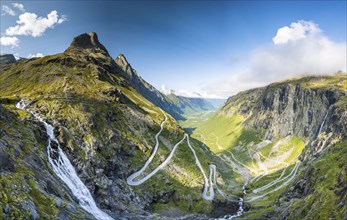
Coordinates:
(83, 135)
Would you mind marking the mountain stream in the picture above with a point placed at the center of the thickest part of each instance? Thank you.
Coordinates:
(63, 168)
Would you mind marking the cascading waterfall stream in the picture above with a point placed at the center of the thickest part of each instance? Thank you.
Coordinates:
(63, 168)
(322, 124)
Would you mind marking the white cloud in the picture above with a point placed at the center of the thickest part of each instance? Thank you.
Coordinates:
(296, 31)
(31, 24)
(184, 93)
(19, 6)
(35, 55)
(7, 11)
(187, 93)
(16, 56)
(9, 41)
(164, 90)
(300, 49)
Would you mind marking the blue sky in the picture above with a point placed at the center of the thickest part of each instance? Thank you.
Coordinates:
(212, 47)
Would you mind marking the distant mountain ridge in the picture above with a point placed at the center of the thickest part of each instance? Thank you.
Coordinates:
(177, 106)
(191, 105)
(215, 102)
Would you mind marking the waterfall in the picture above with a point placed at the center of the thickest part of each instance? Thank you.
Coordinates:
(325, 117)
(63, 168)
(241, 210)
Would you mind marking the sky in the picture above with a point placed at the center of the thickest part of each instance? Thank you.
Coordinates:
(214, 48)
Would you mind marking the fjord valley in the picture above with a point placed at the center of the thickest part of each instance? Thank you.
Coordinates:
(84, 136)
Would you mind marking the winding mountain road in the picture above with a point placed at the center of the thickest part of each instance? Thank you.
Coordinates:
(290, 176)
(208, 192)
(260, 189)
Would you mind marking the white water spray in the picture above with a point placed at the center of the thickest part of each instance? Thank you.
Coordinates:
(66, 172)
(325, 117)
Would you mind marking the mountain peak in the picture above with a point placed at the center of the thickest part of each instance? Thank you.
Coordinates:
(121, 60)
(123, 64)
(87, 42)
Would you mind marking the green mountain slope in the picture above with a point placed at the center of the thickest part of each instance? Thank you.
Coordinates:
(265, 131)
(106, 128)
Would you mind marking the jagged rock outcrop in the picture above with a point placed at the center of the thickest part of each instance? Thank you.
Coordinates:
(87, 43)
(128, 72)
(7, 59)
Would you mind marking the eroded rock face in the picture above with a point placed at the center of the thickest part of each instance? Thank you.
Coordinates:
(277, 111)
(7, 59)
(122, 62)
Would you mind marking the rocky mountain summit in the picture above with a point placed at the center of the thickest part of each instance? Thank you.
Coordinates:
(87, 43)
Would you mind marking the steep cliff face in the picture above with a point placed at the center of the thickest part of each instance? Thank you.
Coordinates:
(287, 108)
(319, 192)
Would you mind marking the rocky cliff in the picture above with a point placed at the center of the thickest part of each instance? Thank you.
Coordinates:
(293, 107)
(7, 59)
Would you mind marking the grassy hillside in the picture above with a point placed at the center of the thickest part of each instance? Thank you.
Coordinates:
(222, 133)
